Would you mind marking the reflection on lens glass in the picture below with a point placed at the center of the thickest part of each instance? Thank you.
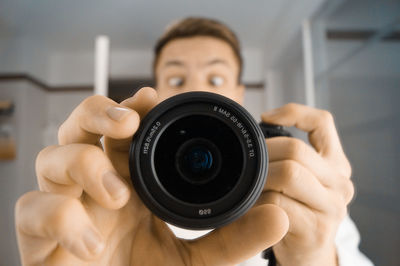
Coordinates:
(198, 160)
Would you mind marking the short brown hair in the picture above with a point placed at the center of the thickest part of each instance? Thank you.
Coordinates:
(196, 26)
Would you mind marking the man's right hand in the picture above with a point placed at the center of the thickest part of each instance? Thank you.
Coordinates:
(87, 212)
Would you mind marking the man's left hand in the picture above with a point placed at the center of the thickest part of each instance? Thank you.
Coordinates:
(312, 184)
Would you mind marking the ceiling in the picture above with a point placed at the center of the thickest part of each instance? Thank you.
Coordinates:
(73, 24)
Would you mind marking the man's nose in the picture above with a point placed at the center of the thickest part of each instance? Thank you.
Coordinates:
(196, 83)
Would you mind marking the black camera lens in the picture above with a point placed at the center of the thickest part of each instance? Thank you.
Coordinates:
(198, 160)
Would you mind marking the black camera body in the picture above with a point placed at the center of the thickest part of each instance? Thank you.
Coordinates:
(199, 160)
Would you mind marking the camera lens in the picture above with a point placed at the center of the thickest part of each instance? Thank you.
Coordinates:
(198, 160)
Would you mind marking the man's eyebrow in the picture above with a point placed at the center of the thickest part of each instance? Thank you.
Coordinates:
(217, 61)
(174, 63)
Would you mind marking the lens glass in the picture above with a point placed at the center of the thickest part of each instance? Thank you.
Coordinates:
(198, 159)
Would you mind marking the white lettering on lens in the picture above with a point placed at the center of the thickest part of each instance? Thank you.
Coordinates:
(149, 137)
(242, 129)
(204, 211)
(224, 112)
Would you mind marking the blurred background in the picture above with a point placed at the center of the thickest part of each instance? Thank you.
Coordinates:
(340, 55)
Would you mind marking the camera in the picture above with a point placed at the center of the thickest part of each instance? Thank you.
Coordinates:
(199, 160)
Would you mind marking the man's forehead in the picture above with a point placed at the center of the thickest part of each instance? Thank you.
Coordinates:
(205, 50)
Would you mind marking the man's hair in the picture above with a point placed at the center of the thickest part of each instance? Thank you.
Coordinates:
(196, 26)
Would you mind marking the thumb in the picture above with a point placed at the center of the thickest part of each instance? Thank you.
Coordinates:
(262, 227)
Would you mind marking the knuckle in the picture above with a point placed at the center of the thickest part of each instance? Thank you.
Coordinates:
(348, 190)
(21, 202)
(91, 100)
(291, 107)
(21, 205)
(63, 213)
(296, 148)
(87, 155)
(87, 161)
(42, 157)
(326, 116)
(290, 171)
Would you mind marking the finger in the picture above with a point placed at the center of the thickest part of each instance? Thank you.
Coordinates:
(284, 148)
(345, 188)
(294, 180)
(143, 101)
(300, 217)
(74, 168)
(97, 116)
(45, 220)
(318, 123)
(117, 149)
(259, 229)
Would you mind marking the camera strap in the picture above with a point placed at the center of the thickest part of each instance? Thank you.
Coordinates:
(269, 255)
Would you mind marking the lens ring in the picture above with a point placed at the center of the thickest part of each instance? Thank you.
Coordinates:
(198, 216)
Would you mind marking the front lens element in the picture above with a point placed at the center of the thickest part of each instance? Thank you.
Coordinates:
(198, 161)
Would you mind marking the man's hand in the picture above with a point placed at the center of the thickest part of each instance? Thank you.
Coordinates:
(87, 212)
(312, 184)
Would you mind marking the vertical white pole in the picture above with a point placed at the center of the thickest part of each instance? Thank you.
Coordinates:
(102, 50)
(308, 64)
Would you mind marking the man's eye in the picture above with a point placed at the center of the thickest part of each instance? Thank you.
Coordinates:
(216, 81)
(175, 82)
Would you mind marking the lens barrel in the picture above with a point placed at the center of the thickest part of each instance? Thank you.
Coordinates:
(198, 160)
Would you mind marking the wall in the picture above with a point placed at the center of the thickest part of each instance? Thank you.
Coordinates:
(363, 94)
(367, 116)
(285, 82)
(18, 176)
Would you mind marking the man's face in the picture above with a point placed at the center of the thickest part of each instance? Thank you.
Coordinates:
(198, 64)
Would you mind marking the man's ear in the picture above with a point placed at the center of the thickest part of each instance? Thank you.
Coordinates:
(240, 93)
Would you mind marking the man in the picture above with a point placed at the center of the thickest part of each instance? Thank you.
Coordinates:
(87, 211)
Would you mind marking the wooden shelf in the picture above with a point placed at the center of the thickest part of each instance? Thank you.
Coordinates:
(7, 149)
(6, 107)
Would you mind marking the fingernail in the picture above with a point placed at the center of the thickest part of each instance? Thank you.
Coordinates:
(117, 113)
(114, 185)
(93, 241)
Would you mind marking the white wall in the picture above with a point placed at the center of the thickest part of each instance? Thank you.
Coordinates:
(9, 60)
(66, 68)
(18, 176)
(59, 105)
